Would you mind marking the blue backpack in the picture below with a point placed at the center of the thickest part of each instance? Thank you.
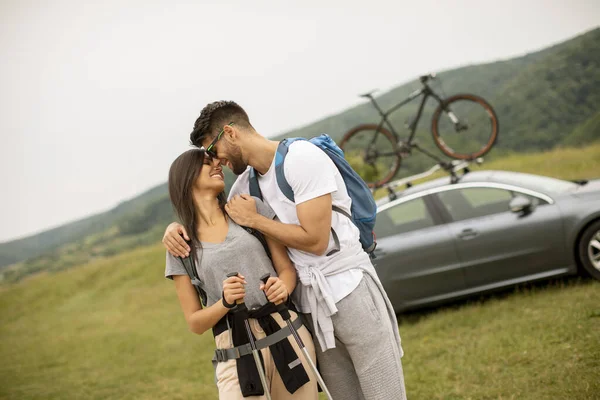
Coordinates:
(363, 207)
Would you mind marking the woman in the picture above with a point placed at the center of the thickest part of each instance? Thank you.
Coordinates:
(219, 247)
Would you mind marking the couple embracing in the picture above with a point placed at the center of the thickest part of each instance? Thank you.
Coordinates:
(311, 250)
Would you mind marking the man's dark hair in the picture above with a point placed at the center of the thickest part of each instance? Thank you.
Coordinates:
(214, 117)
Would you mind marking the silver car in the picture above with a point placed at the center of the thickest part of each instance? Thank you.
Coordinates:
(491, 229)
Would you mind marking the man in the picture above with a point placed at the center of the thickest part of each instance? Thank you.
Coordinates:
(338, 293)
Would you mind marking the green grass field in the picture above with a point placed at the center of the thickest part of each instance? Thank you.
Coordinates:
(113, 329)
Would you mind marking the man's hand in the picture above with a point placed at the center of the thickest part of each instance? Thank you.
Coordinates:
(242, 209)
(173, 241)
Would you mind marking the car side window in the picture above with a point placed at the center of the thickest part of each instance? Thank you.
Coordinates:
(475, 202)
(402, 218)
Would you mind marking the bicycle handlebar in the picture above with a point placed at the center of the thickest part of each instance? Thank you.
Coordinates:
(422, 78)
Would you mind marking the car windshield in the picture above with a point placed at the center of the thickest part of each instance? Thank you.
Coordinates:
(539, 183)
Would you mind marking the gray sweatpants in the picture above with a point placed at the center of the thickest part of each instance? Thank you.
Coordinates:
(362, 366)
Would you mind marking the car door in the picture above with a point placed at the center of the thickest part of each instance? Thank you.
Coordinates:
(497, 245)
(416, 258)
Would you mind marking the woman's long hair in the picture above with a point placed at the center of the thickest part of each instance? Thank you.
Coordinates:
(182, 175)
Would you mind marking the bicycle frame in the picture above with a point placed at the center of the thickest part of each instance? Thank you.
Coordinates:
(395, 148)
(425, 91)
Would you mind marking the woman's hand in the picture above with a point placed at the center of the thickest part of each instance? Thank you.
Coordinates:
(173, 241)
(233, 289)
(275, 290)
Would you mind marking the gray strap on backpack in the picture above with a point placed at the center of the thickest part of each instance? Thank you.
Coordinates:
(335, 236)
(222, 355)
(285, 187)
(190, 268)
(341, 211)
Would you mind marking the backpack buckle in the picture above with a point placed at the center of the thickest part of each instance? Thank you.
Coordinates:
(220, 355)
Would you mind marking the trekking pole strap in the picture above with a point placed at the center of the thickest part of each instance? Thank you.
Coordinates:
(222, 355)
(283, 311)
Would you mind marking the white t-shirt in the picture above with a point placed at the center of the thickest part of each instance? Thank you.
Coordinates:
(311, 173)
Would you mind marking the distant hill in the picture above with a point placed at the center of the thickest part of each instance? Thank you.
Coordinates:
(539, 98)
(543, 99)
(31, 246)
(584, 133)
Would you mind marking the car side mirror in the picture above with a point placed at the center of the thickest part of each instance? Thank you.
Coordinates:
(521, 205)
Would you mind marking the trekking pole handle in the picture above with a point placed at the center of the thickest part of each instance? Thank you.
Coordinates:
(229, 275)
(265, 278)
(285, 314)
(281, 307)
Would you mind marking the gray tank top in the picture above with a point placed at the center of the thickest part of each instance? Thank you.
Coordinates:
(239, 252)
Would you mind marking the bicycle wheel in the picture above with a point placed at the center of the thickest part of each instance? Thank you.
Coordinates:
(464, 127)
(372, 152)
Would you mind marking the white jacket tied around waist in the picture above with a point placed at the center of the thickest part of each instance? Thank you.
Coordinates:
(314, 293)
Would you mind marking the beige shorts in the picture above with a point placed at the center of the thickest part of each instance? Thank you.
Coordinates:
(227, 378)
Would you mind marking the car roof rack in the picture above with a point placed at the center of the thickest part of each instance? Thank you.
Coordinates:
(452, 168)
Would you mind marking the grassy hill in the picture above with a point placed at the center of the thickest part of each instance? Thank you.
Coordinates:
(567, 163)
(543, 99)
(570, 163)
(113, 329)
(584, 133)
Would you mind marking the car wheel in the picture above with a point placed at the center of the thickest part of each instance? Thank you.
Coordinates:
(589, 250)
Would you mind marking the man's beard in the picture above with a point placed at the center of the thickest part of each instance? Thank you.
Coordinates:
(238, 166)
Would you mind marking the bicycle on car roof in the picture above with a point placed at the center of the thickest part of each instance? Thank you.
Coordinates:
(463, 126)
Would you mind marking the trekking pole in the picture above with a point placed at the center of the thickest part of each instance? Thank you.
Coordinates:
(285, 314)
(244, 312)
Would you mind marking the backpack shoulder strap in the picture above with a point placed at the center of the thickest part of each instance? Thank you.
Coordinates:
(287, 190)
(284, 186)
(282, 182)
(254, 187)
(342, 211)
(190, 268)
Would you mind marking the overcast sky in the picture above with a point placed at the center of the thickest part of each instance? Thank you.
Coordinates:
(97, 98)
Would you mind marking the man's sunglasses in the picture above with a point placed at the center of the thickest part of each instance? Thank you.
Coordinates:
(210, 149)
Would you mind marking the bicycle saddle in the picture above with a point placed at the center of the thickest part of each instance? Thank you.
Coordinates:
(425, 78)
(368, 94)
